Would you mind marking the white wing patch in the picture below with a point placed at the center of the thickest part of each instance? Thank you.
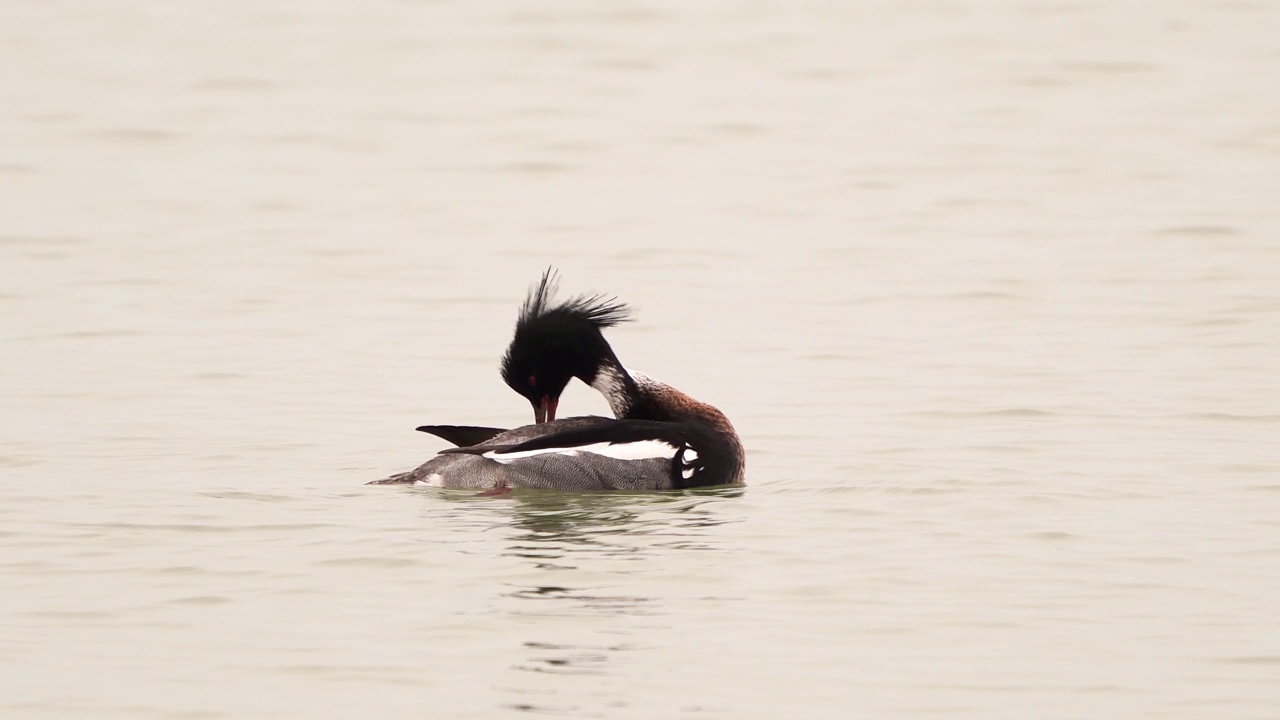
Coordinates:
(689, 463)
(640, 450)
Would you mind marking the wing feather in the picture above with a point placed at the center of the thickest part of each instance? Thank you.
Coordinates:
(462, 435)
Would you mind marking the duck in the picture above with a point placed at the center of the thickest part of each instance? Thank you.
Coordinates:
(660, 438)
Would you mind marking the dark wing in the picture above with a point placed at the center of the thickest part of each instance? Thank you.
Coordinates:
(587, 453)
(521, 434)
(683, 454)
(602, 430)
(603, 454)
(462, 435)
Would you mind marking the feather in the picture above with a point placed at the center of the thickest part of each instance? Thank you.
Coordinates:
(599, 310)
(461, 435)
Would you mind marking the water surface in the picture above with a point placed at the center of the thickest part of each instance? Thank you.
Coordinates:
(990, 291)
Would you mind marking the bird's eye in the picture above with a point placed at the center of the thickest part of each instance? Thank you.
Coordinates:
(533, 381)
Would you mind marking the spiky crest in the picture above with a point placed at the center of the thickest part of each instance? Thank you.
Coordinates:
(600, 310)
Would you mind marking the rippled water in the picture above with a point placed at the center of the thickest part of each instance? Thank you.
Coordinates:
(991, 291)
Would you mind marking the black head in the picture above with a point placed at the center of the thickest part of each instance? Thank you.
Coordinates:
(555, 343)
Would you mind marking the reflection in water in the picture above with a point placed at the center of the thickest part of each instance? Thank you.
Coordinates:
(568, 659)
(566, 532)
(590, 590)
(584, 598)
(582, 601)
(582, 519)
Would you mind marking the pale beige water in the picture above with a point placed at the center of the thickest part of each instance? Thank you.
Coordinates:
(991, 290)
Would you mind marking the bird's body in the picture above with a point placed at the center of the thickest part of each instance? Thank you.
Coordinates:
(662, 438)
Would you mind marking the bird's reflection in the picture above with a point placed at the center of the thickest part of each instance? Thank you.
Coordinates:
(592, 588)
(568, 659)
(564, 532)
(596, 553)
(579, 517)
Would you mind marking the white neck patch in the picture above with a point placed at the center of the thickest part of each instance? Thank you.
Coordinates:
(611, 383)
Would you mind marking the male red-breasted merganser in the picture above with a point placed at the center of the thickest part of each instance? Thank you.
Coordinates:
(662, 438)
